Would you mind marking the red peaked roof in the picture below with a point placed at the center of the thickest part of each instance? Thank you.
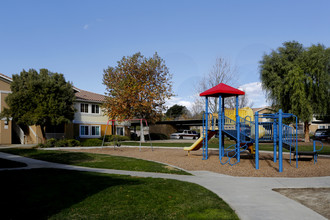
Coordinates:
(223, 90)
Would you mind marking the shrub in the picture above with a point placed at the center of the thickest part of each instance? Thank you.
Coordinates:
(91, 142)
(40, 146)
(110, 138)
(61, 143)
(73, 143)
(50, 143)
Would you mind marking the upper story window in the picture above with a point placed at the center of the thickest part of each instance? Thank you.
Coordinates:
(95, 109)
(84, 108)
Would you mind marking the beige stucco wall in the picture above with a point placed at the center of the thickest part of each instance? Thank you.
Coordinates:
(3, 102)
(88, 118)
(4, 86)
(4, 91)
(5, 132)
(38, 138)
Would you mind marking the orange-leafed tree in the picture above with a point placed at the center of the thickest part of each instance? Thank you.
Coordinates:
(137, 88)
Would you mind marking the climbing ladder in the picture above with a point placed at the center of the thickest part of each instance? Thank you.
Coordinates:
(244, 136)
(229, 128)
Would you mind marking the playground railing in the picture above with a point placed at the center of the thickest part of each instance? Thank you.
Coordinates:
(288, 136)
(268, 131)
(316, 150)
(246, 126)
(229, 121)
(230, 152)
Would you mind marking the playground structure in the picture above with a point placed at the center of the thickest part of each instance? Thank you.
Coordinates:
(247, 131)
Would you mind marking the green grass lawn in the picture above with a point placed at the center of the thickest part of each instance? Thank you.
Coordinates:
(96, 160)
(64, 194)
(262, 146)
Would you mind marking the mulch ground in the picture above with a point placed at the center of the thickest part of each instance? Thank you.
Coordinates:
(246, 166)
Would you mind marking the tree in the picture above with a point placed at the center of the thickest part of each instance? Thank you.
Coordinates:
(176, 111)
(44, 99)
(243, 101)
(221, 72)
(137, 88)
(296, 79)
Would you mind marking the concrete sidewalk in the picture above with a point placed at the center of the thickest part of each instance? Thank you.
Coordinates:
(251, 197)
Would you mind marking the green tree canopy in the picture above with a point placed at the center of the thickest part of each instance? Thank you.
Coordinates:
(296, 79)
(137, 88)
(176, 111)
(43, 98)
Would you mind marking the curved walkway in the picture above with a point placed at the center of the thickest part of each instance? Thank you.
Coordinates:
(251, 197)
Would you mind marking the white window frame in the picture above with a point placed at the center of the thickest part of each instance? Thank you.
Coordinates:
(85, 105)
(98, 109)
(122, 128)
(90, 127)
(97, 128)
(80, 129)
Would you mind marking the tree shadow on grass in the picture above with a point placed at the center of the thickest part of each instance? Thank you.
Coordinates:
(41, 193)
(52, 156)
(70, 158)
(10, 164)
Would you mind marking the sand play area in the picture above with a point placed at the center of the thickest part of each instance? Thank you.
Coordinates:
(246, 167)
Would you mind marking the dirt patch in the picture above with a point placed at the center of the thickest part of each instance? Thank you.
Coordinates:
(246, 166)
(317, 199)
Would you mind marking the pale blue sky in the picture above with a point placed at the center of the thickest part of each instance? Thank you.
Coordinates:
(82, 38)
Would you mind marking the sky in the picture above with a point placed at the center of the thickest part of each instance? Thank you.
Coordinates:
(81, 38)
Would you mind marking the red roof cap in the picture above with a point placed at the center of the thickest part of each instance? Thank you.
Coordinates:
(223, 90)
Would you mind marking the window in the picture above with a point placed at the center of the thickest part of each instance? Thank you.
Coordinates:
(90, 131)
(95, 130)
(84, 108)
(95, 109)
(84, 130)
(120, 131)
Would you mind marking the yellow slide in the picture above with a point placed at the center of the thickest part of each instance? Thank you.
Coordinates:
(199, 143)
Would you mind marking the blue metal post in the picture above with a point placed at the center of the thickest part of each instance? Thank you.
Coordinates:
(275, 140)
(206, 154)
(280, 155)
(223, 126)
(238, 144)
(296, 141)
(256, 140)
(220, 128)
(314, 151)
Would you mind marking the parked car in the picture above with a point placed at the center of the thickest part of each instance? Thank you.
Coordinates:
(322, 134)
(185, 134)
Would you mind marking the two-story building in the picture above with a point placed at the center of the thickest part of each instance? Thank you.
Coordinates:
(5, 123)
(89, 120)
